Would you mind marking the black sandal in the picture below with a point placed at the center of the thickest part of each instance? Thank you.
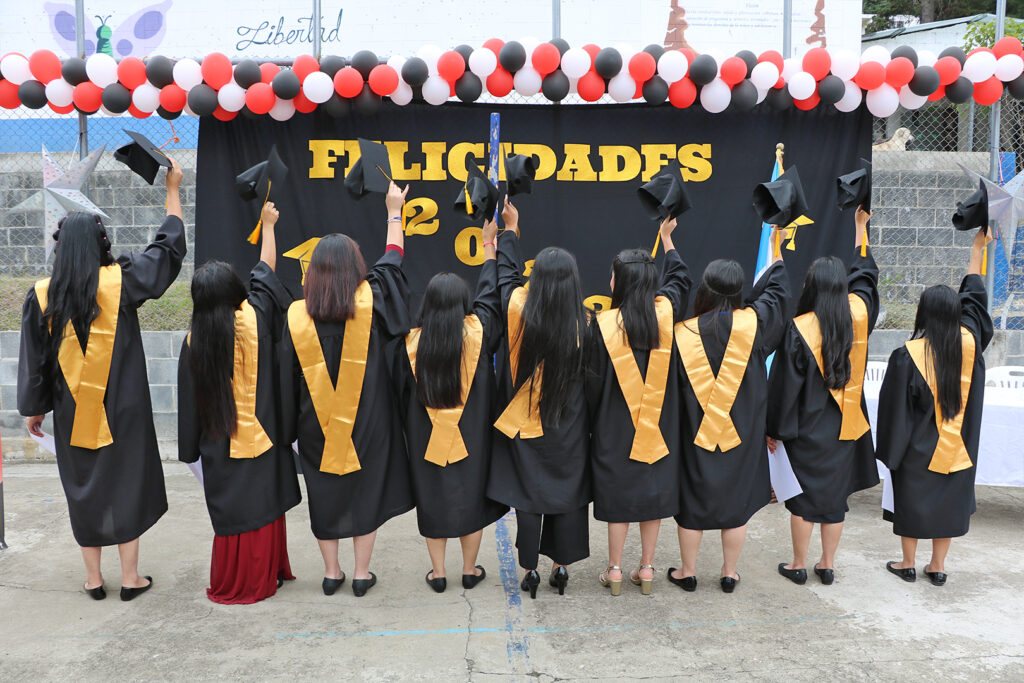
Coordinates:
(438, 585)
(471, 580)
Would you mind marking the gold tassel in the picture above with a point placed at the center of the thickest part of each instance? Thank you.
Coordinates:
(657, 243)
(254, 236)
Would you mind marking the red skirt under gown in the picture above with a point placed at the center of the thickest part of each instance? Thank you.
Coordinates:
(245, 567)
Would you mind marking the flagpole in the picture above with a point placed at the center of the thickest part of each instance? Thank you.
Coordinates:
(495, 156)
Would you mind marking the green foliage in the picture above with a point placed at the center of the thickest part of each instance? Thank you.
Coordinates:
(885, 11)
(983, 33)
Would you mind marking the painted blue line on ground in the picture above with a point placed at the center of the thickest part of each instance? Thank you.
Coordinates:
(517, 644)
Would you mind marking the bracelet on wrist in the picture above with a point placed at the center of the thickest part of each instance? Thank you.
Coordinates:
(489, 244)
(394, 220)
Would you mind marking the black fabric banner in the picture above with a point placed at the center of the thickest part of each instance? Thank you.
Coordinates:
(592, 160)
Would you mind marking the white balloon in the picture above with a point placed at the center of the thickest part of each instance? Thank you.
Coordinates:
(791, 66)
(573, 89)
(851, 98)
(980, 67)
(231, 96)
(764, 76)
(1009, 67)
(575, 62)
(672, 66)
(622, 87)
(883, 101)
(187, 73)
(926, 58)
(282, 109)
(845, 64)
(396, 62)
(527, 81)
(101, 69)
(402, 94)
(801, 85)
(715, 96)
(14, 68)
(483, 62)
(876, 53)
(188, 110)
(59, 92)
(761, 94)
(429, 54)
(909, 100)
(318, 87)
(146, 97)
(436, 90)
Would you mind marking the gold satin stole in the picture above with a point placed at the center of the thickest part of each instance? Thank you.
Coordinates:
(854, 423)
(950, 453)
(716, 394)
(446, 444)
(335, 404)
(522, 415)
(87, 374)
(250, 440)
(644, 396)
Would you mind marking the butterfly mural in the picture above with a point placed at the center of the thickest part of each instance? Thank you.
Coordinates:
(137, 36)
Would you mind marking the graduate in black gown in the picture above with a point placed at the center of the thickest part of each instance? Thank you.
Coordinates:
(337, 396)
(635, 443)
(817, 406)
(540, 464)
(445, 377)
(929, 419)
(228, 416)
(724, 471)
(93, 377)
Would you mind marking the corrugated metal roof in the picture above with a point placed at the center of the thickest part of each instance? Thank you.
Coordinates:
(930, 26)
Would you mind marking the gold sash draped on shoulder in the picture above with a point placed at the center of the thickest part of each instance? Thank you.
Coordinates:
(950, 452)
(522, 415)
(446, 444)
(644, 396)
(87, 373)
(250, 440)
(335, 404)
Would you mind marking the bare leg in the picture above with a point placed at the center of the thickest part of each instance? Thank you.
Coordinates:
(616, 542)
(93, 575)
(129, 553)
(470, 550)
(363, 548)
(830, 535)
(689, 544)
(732, 546)
(909, 551)
(648, 542)
(329, 549)
(940, 546)
(801, 531)
(435, 546)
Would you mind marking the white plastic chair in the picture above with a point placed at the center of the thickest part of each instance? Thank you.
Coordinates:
(1007, 377)
(875, 372)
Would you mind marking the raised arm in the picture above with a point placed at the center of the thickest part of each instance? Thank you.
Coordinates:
(268, 244)
(675, 280)
(769, 299)
(862, 279)
(510, 265)
(395, 203)
(487, 304)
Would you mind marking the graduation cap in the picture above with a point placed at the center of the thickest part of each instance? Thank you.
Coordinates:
(479, 197)
(973, 211)
(520, 170)
(664, 196)
(855, 188)
(781, 201)
(371, 172)
(142, 156)
(261, 182)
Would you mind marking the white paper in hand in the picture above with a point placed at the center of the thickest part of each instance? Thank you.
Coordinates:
(45, 442)
(784, 481)
(887, 492)
(197, 469)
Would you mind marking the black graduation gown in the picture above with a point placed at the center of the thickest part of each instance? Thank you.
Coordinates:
(804, 416)
(551, 473)
(928, 504)
(114, 493)
(244, 494)
(724, 490)
(626, 490)
(357, 503)
(451, 501)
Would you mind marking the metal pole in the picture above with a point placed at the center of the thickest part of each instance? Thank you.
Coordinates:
(316, 29)
(556, 18)
(994, 161)
(787, 28)
(83, 125)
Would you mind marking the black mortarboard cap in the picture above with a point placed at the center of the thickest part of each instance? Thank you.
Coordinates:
(262, 180)
(142, 156)
(855, 188)
(972, 212)
(664, 195)
(479, 197)
(520, 170)
(781, 201)
(372, 172)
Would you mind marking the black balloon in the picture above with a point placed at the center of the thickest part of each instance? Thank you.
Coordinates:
(555, 86)
(561, 43)
(363, 62)
(905, 51)
(655, 51)
(117, 98)
(925, 81)
(249, 113)
(32, 94)
(608, 62)
(959, 91)
(1016, 88)
(417, 93)
(332, 64)
(655, 90)
(831, 89)
(744, 96)
(465, 51)
(367, 102)
(160, 71)
(165, 114)
(336, 106)
(415, 71)
(73, 71)
(512, 56)
(703, 69)
(749, 58)
(954, 52)
(468, 87)
(779, 99)
(202, 99)
(247, 73)
(286, 84)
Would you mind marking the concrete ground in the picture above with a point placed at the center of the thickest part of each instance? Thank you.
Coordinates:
(867, 626)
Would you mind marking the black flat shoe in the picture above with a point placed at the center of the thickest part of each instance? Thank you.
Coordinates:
(909, 574)
(530, 583)
(96, 593)
(687, 583)
(360, 586)
(729, 584)
(827, 576)
(559, 579)
(797, 576)
(132, 593)
(438, 585)
(937, 578)
(329, 585)
(471, 580)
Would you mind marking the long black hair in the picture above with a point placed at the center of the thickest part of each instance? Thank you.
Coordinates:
(217, 292)
(938, 322)
(82, 248)
(552, 330)
(720, 290)
(825, 293)
(636, 285)
(443, 312)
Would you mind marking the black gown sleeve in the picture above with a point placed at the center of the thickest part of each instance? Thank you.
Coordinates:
(595, 368)
(785, 385)
(269, 297)
(974, 310)
(675, 283)
(35, 383)
(510, 267)
(188, 413)
(290, 383)
(769, 299)
(487, 306)
(148, 274)
(895, 410)
(863, 281)
(390, 295)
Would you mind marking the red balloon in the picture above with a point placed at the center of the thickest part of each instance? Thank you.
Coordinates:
(734, 70)
(131, 72)
(682, 93)
(938, 94)
(988, 92)
(267, 71)
(870, 75)
(305, 65)
(1007, 46)
(690, 54)
(781, 83)
(949, 69)
(499, 83)
(898, 72)
(87, 96)
(817, 62)
(222, 114)
(494, 45)
(590, 86)
(172, 97)
(138, 113)
(260, 98)
(61, 110)
(642, 66)
(592, 50)
(808, 104)
(303, 104)
(774, 57)
(383, 80)
(44, 65)
(348, 82)
(216, 69)
(450, 66)
(545, 58)
(9, 95)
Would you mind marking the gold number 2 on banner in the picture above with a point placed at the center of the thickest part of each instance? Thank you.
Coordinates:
(420, 216)
(469, 246)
